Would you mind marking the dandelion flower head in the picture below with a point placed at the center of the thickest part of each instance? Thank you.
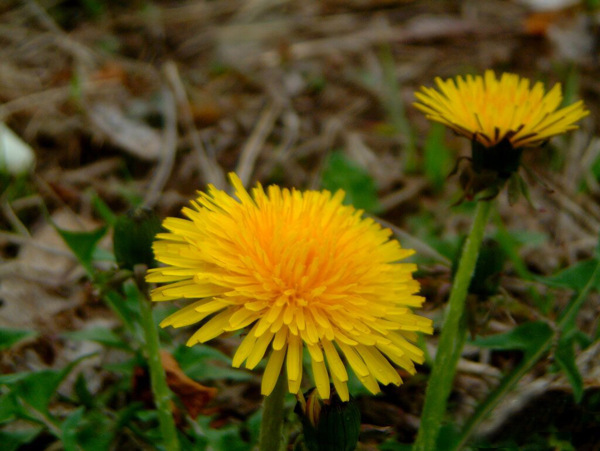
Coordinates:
(293, 270)
(489, 110)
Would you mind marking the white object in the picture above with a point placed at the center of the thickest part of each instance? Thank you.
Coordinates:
(16, 156)
(548, 5)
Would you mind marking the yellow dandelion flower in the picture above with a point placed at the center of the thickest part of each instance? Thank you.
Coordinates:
(488, 110)
(299, 270)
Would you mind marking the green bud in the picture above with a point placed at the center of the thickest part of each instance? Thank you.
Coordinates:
(133, 236)
(330, 424)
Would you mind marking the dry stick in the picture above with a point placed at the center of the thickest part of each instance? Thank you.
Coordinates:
(400, 196)
(168, 150)
(210, 171)
(13, 219)
(357, 41)
(291, 132)
(254, 145)
(84, 174)
(78, 50)
(54, 95)
(34, 100)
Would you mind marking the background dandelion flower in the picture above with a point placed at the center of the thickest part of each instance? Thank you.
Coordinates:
(299, 269)
(488, 110)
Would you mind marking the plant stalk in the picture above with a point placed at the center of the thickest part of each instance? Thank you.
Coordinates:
(272, 419)
(160, 389)
(452, 337)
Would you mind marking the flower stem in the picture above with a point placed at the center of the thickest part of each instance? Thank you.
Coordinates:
(272, 419)
(160, 389)
(452, 337)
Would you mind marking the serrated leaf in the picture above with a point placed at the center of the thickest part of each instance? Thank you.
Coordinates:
(9, 337)
(528, 337)
(359, 186)
(82, 244)
(565, 357)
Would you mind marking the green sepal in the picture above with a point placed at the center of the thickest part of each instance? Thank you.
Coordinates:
(503, 158)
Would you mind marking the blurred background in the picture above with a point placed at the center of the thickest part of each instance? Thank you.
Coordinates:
(109, 105)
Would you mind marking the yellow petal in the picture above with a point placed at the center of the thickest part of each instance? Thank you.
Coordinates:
(321, 378)
(272, 371)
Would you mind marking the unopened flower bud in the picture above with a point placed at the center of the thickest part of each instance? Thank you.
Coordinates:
(329, 425)
(133, 236)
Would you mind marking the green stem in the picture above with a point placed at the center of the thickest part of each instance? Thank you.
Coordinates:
(452, 337)
(160, 389)
(272, 419)
(511, 380)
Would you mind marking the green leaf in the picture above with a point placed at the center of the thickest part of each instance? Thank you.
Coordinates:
(437, 156)
(204, 363)
(13, 378)
(510, 244)
(9, 337)
(393, 445)
(126, 308)
(82, 244)
(565, 357)
(96, 432)
(103, 209)
(84, 395)
(69, 429)
(38, 387)
(126, 415)
(224, 439)
(8, 407)
(359, 186)
(14, 440)
(575, 277)
(528, 337)
(100, 335)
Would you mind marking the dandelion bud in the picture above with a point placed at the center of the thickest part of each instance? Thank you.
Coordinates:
(329, 425)
(133, 236)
